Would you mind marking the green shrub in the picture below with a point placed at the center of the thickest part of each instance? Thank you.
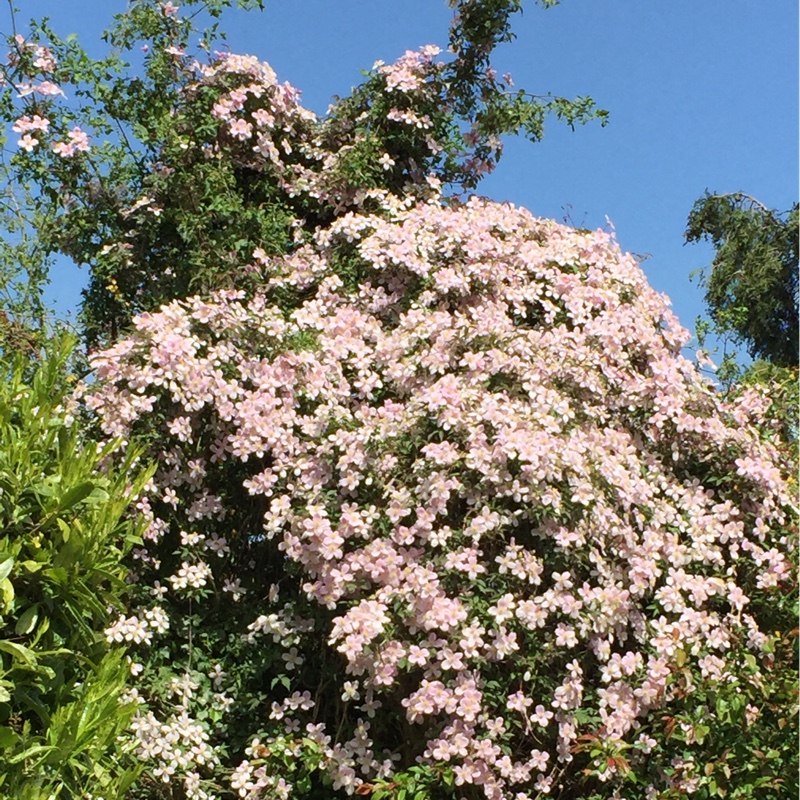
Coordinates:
(64, 535)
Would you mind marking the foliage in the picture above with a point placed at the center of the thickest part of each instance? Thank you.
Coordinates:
(63, 540)
(132, 177)
(440, 509)
(751, 285)
(488, 103)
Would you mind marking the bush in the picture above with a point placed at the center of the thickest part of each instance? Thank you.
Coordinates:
(64, 537)
(440, 510)
(470, 525)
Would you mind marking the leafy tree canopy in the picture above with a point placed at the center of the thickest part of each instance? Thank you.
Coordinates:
(133, 160)
(751, 285)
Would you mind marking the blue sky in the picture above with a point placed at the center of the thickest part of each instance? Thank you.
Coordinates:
(701, 95)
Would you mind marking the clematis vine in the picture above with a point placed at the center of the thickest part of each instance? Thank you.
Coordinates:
(515, 514)
(441, 509)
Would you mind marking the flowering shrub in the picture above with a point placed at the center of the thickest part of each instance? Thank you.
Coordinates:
(441, 510)
(492, 530)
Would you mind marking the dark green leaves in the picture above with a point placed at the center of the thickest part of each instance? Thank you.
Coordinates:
(751, 285)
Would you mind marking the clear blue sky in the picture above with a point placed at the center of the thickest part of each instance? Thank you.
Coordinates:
(701, 95)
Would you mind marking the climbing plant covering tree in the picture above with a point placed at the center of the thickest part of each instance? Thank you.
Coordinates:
(484, 507)
(445, 480)
(121, 164)
(440, 510)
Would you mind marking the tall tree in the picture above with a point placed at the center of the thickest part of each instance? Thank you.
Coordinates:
(751, 285)
(127, 177)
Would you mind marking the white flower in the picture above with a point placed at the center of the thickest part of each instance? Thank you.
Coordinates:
(157, 619)
(350, 691)
(129, 629)
(292, 658)
(28, 142)
(218, 544)
(234, 588)
(191, 575)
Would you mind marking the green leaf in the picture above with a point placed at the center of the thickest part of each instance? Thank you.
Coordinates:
(31, 751)
(44, 489)
(57, 574)
(7, 738)
(99, 495)
(7, 590)
(27, 622)
(63, 526)
(6, 566)
(19, 651)
(75, 495)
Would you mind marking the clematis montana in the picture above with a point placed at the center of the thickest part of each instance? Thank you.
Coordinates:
(515, 516)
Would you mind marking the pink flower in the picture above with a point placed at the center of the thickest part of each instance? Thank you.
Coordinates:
(451, 660)
(45, 88)
(397, 508)
(240, 129)
(565, 635)
(79, 140)
(263, 118)
(45, 61)
(28, 142)
(519, 702)
(63, 149)
(541, 716)
(539, 759)
(418, 655)
(34, 123)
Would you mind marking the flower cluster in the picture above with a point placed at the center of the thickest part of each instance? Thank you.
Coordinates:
(263, 126)
(410, 71)
(37, 62)
(77, 140)
(519, 517)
